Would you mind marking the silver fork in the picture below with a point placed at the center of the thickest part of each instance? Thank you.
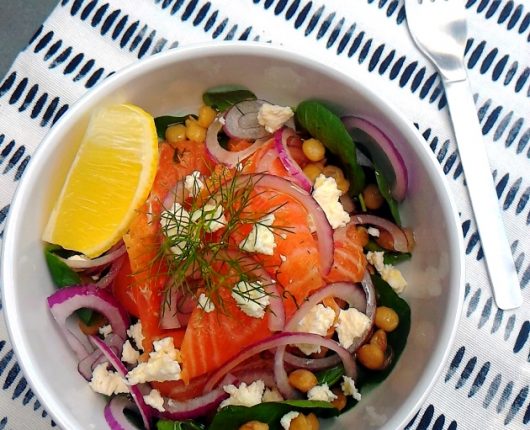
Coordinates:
(439, 29)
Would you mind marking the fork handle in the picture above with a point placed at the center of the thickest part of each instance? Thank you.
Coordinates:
(484, 201)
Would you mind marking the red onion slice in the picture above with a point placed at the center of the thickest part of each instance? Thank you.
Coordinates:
(114, 415)
(145, 411)
(87, 365)
(85, 263)
(241, 120)
(383, 150)
(198, 406)
(221, 155)
(66, 301)
(114, 268)
(281, 137)
(176, 311)
(398, 236)
(276, 341)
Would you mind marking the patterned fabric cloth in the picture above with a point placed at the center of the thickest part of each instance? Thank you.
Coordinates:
(485, 383)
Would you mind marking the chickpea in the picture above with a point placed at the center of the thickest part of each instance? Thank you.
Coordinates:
(206, 116)
(343, 185)
(409, 234)
(385, 240)
(194, 131)
(175, 133)
(313, 149)
(254, 425)
(386, 318)
(300, 423)
(312, 170)
(372, 197)
(333, 172)
(340, 401)
(302, 380)
(371, 357)
(379, 339)
(313, 421)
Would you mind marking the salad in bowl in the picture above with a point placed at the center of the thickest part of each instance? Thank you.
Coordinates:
(233, 267)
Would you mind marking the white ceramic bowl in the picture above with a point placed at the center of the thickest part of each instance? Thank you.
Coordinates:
(173, 82)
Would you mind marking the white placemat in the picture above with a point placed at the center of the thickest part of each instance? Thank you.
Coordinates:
(485, 383)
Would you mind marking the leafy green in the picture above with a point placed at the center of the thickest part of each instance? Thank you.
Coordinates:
(330, 376)
(386, 192)
(163, 122)
(178, 425)
(225, 96)
(326, 126)
(63, 276)
(396, 257)
(232, 417)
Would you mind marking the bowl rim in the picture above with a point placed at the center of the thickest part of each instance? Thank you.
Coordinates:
(9, 297)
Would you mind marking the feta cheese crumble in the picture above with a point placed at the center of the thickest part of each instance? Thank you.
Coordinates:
(318, 320)
(107, 382)
(161, 366)
(175, 222)
(129, 354)
(351, 325)
(261, 237)
(244, 395)
(349, 388)
(272, 396)
(372, 231)
(285, 421)
(388, 272)
(251, 298)
(155, 400)
(105, 330)
(273, 117)
(322, 393)
(193, 183)
(136, 334)
(327, 194)
(205, 303)
(212, 216)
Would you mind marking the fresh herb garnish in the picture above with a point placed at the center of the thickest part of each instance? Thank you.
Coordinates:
(330, 376)
(324, 125)
(225, 96)
(179, 425)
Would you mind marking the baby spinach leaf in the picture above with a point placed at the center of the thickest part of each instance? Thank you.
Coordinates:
(178, 425)
(326, 126)
(396, 257)
(232, 417)
(163, 122)
(225, 96)
(386, 192)
(330, 376)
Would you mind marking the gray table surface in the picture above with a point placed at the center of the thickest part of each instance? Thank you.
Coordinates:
(18, 21)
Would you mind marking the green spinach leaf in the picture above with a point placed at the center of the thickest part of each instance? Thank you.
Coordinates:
(330, 376)
(178, 425)
(232, 417)
(326, 126)
(386, 192)
(225, 96)
(396, 257)
(163, 122)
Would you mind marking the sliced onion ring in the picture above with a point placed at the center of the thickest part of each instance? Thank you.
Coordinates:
(221, 155)
(87, 365)
(113, 270)
(281, 137)
(241, 120)
(84, 263)
(383, 148)
(145, 411)
(114, 415)
(398, 236)
(66, 301)
(276, 341)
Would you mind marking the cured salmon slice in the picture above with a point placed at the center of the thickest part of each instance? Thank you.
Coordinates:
(349, 261)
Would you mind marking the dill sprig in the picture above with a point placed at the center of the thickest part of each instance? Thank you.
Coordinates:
(201, 261)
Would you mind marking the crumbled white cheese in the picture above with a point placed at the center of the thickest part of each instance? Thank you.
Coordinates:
(388, 272)
(105, 330)
(318, 320)
(327, 195)
(351, 325)
(205, 303)
(135, 333)
(175, 223)
(283, 258)
(273, 117)
(155, 400)
(161, 366)
(78, 257)
(251, 298)
(272, 396)
(129, 354)
(322, 393)
(244, 395)
(372, 231)
(193, 183)
(349, 388)
(261, 237)
(285, 421)
(107, 382)
(211, 215)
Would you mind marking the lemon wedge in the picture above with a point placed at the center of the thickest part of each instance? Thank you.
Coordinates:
(110, 178)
